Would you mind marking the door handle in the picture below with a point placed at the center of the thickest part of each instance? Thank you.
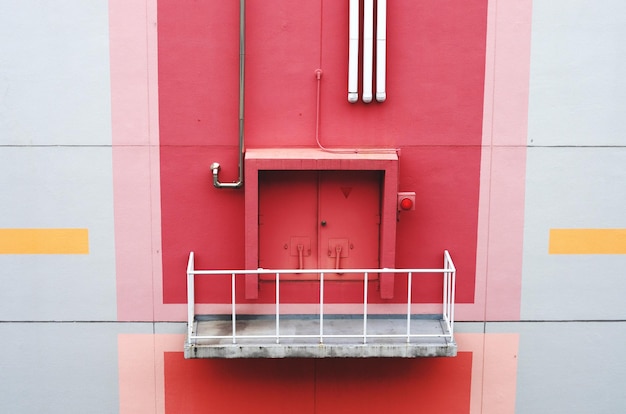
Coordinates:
(300, 258)
(338, 257)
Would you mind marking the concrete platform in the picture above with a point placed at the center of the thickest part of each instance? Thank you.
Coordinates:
(343, 337)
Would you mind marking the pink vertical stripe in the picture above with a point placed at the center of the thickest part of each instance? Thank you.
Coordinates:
(500, 373)
(503, 169)
(132, 31)
(137, 380)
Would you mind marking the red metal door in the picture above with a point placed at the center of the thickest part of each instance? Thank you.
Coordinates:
(349, 217)
(287, 226)
(319, 219)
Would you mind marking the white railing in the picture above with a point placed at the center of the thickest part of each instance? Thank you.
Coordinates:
(448, 273)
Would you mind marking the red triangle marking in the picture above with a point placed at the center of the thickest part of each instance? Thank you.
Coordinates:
(346, 191)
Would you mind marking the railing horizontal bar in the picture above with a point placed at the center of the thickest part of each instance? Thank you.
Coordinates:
(317, 336)
(314, 271)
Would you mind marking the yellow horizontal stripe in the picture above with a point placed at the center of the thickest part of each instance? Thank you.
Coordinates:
(44, 241)
(587, 241)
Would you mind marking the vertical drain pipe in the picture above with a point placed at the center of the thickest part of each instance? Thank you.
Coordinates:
(368, 49)
(381, 50)
(353, 53)
(215, 167)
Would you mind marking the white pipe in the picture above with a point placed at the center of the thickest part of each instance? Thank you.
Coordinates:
(381, 50)
(368, 48)
(353, 53)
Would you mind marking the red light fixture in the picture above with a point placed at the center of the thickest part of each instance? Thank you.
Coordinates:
(406, 201)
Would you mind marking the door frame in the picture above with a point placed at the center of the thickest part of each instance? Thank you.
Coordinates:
(315, 159)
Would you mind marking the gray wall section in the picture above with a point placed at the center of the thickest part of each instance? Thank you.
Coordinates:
(569, 367)
(55, 137)
(573, 188)
(54, 73)
(58, 187)
(55, 172)
(60, 368)
(575, 170)
(577, 82)
(569, 355)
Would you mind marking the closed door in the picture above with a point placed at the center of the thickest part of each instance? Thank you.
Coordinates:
(319, 220)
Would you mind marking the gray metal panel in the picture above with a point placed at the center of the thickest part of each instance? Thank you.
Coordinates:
(58, 187)
(60, 368)
(573, 188)
(569, 367)
(577, 85)
(170, 328)
(54, 73)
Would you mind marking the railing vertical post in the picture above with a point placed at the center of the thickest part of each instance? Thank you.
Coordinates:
(450, 290)
(452, 302)
(408, 307)
(321, 307)
(365, 278)
(190, 296)
(446, 288)
(234, 318)
(277, 307)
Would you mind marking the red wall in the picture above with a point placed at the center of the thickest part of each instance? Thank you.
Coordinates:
(433, 114)
(318, 386)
